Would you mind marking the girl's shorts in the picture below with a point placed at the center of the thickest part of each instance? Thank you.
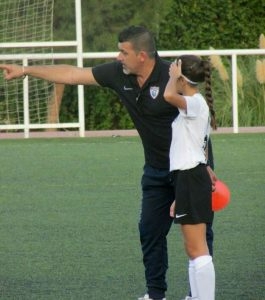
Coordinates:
(193, 194)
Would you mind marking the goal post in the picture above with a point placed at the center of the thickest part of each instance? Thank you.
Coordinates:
(26, 35)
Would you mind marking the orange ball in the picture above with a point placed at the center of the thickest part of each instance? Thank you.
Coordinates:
(221, 196)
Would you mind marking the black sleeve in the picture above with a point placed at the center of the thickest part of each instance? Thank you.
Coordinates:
(105, 74)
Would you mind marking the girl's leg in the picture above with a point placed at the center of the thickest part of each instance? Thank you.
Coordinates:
(201, 269)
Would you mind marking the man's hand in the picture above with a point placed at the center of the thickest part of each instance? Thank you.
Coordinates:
(12, 71)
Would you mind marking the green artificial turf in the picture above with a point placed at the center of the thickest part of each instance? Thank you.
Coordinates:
(69, 211)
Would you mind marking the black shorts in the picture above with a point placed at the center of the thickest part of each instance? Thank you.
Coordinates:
(193, 194)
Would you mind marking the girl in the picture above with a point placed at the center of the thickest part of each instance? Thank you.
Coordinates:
(188, 164)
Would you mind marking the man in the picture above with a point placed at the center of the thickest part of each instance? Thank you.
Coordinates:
(139, 77)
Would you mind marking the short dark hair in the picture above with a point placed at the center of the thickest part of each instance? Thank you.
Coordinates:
(140, 38)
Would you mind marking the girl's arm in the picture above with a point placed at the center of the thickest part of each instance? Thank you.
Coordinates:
(171, 94)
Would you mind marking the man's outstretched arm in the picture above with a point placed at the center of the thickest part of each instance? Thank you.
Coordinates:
(66, 74)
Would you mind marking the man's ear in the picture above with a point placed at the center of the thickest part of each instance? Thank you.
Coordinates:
(143, 55)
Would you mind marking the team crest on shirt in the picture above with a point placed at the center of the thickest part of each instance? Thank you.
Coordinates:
(154, 91)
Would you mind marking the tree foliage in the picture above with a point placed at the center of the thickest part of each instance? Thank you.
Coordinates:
(221, 24)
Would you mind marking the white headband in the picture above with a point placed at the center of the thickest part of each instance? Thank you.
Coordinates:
(190, 81)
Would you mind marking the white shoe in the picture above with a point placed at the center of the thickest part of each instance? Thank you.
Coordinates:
(189, 298)
(146, 297)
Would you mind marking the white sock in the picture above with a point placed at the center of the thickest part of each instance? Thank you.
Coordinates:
(204, 277)
(192, 279)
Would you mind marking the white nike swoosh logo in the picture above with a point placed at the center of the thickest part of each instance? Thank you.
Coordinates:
(127, 88)
(180, 216)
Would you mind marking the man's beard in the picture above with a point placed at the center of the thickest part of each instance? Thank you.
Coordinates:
(125, 71)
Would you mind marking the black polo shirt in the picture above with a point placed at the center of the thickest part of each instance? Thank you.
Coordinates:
(150, 113)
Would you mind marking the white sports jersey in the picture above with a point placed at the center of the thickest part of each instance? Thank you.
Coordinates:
(190, 133)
